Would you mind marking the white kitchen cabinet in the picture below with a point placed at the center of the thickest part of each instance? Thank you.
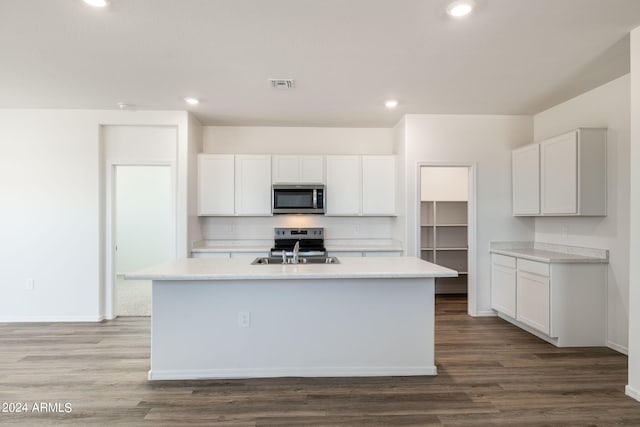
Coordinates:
(253, 185)
(311, 169)
(525, 163)
(503, 284)
(297, 169)
(216, 184)
(563, 303)
(559, 176)
(572, 175)
(361, 185)
(532, 295)
(378, 185)
(344, 185)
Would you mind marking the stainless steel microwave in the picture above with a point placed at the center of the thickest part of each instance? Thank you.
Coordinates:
(298, 199)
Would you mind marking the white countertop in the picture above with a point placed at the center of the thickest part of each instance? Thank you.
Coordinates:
(241, 269)
(551, 253)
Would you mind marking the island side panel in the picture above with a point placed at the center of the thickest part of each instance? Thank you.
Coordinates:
(330, 327)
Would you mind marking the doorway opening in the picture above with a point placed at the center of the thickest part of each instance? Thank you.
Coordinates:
(143, 231)
(446, 226)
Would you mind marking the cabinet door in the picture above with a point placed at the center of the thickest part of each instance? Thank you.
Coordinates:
(215, 184)
(559, 163)
(343, 185)
(253, 185)
(311, 169)
(525, 163)
(378, 185)
(503, 289)
(285, 169)
(532, 295)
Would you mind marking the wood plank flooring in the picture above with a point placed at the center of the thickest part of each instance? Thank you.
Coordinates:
(490, 373)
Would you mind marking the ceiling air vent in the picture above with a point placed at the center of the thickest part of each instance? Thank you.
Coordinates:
(283, 84)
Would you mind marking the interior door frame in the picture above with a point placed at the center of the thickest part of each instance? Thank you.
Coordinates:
(110, 224)
(472, 296)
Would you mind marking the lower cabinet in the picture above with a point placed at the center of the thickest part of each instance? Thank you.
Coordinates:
(503, 284)
(532, 300)
(563, 303)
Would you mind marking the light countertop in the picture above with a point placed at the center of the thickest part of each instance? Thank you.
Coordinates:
(241, 269)
(551, 253)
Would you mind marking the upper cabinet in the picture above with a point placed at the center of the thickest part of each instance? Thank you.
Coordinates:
(571, 178)
(343, 188)
(216, 184)
(253, 185)
(234, 185)
(361, 185)
(231, 185)
(525, 163)
(297, 169)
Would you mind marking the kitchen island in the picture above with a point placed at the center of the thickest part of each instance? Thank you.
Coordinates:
(225, 318)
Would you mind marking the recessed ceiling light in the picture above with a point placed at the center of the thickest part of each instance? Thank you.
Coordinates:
(392, 103)
(460, 8)
(96, 3)
(192, 101)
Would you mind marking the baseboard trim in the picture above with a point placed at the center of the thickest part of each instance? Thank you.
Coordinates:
(632, 393)
(617, 347)
(50, 319)
(485, 313)
(188, 374)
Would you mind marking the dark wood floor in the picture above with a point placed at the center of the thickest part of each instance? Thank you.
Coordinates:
(490, 373)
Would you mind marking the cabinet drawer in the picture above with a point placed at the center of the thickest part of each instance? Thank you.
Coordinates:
(534, 267)
(505, 261)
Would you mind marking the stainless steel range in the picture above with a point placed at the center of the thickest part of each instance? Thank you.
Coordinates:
(298, 246)
(310, 242)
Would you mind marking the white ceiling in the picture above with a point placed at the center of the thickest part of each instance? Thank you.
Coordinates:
(346, 56)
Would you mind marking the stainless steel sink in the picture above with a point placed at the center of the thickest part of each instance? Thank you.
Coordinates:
(301, 260)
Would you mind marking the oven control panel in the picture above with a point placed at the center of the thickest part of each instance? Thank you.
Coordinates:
(299, 233)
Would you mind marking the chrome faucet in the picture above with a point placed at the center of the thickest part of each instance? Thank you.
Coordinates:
(296, 249)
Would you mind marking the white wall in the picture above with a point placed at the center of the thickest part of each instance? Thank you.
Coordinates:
(486, 141)
(194, 147)
(633, 388)
(52, 227)
(297, 140)
(606, 106)
(444, 184)
(399, 149)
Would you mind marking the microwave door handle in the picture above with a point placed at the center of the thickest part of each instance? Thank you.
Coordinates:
(315, 199)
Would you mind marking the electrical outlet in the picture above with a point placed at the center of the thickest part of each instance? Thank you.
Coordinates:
(30, 284)
(244, 319)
